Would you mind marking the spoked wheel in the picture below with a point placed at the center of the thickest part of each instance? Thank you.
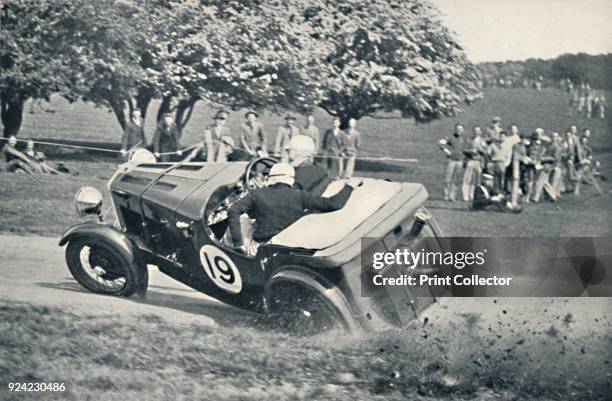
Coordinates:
(100, 267)
(297, 310)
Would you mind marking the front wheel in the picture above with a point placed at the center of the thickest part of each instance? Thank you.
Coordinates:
(100, 267)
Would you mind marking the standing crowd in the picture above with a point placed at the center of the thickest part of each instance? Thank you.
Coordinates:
(587, 102)
(337, 148)
(506, 169)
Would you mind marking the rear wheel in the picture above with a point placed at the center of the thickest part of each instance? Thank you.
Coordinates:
(300, 311)
(100, 267)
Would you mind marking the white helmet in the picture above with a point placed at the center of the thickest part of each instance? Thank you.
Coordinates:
(281, 173)
(303, 144)
(301, 149)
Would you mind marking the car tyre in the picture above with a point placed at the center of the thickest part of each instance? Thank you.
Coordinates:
(300, 311)
(117, 278)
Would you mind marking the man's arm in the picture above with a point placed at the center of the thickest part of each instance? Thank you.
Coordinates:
(196, 149)
(318, 203)
(18, 154)
(245, 205)
(444, 146)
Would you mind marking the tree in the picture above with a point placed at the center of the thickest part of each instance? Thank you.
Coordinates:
(238, 54)
(349, 57)
(387, 55)
(110, 47)
(30, 66)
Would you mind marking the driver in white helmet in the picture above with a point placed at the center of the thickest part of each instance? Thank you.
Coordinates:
(278, 205)
(309, 176)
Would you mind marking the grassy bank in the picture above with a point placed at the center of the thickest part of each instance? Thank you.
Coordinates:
(101, 357)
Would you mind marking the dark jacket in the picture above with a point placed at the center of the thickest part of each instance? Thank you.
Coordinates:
(166, 139)
(276, 207)
(312, 178)
(333, 144)
(455, 146)
(482, 197)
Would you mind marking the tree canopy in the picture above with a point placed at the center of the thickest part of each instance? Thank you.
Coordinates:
(388, 55)
(352, 58)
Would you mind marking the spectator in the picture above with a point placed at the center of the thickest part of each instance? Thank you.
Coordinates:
(517, 167)
(496, 128)
(530, 162)
(166, 139)
(586, 167)
(283, 138)
(311, 130)
(350, 143)
(500, 159)
(486, 197)
(453, 147)
(252, 135)
(16, 161)
(542, 183)
(474, 151)
(572, 150)
(213, 138)
(602, 106)
(556, 152)
(332, 149)
(37, 160)
(511, 164)
(133, 134)
(589, 105)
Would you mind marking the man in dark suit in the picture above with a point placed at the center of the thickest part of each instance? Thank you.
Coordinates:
(486, 198)
(309, 176)
(277, 206)
(166, 139)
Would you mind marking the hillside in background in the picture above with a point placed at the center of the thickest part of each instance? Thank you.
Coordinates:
(594, 69)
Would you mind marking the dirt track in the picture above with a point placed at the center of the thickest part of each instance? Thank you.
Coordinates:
(34, 271)
(561, 344)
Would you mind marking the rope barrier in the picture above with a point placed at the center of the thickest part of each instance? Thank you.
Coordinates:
(192, 147)
(65, 145)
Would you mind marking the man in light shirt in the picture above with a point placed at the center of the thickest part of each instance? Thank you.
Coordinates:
(453, 148)
(283, 138)
(351, 142)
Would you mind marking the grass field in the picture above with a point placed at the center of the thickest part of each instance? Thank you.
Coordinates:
(44, 204)
(489, 349)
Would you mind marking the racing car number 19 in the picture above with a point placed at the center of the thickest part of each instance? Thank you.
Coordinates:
(220, 269)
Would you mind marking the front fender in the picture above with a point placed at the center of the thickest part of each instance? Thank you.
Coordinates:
(330, 294)
(120, 241)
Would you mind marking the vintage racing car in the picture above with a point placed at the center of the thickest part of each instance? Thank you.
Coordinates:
(174, 216)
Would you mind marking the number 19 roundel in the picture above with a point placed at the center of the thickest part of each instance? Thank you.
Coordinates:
(220, 269)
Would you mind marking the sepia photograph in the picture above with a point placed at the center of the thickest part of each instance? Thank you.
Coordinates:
(305, 200)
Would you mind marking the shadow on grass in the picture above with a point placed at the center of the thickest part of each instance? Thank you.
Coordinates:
(223, 314)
